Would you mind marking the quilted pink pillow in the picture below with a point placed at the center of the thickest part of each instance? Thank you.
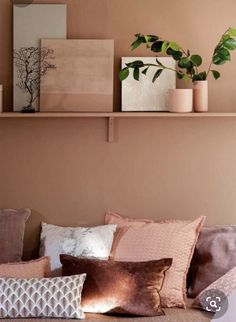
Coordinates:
(33, 269)
(169, 239)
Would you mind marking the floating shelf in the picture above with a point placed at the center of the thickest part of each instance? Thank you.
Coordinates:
(113, 115)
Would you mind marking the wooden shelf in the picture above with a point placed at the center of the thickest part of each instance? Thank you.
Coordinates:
(113, 115)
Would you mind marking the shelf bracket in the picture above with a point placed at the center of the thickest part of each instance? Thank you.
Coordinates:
(111, 128)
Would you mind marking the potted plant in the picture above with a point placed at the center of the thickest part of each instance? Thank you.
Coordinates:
(187, 64)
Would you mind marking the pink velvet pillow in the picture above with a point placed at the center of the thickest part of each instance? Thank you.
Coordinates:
(152, 241)
(33, 269)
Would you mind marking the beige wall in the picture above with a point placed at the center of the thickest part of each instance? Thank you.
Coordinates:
(67, 173)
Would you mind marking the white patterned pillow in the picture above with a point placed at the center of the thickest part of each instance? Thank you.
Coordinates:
(57, 297)
(90, 242)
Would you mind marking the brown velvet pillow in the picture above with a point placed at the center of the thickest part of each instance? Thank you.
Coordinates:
(214, 256)
(130, 288)
(12, 228)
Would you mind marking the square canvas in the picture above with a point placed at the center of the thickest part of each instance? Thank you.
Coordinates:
(82, 80)
(143, 95)
(30, 24)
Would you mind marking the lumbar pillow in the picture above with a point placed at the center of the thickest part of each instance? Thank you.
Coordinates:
(77, 241)
(35, 268)
(12, 224)
(168, 239)
(119, 287)
(57, 297)
(225, 285)
(214, 256)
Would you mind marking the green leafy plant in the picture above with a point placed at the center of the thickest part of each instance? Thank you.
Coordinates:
(188, 64)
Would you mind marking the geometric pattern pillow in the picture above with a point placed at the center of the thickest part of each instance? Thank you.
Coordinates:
(57, 297)
(225, 284)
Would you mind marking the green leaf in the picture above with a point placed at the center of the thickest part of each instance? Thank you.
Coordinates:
(159, 63)
(136, 44)
(179, 75)
(145, 71)
(124, 73)
(173, 45)
(164, 46)
(156, 46)
(200, 76)
(157, 74)
(136, 74)
(135, 64)
(221, 56)
(225, 37)
(175, 54)
(152, 38)
(230, 44)
(215, 74)
(232, 32)
(196, 60)
(185, 63)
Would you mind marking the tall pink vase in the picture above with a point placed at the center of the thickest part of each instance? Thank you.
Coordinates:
(200, 96)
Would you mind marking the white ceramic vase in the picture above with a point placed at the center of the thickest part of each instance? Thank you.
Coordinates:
(180, 100)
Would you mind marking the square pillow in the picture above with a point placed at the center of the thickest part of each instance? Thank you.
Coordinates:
(35, 268)
(168, 239)
(225, 284)
(76, 241)
(121, 220)
(58, 297)
(12, 223)
(214, 256)
(119, 287)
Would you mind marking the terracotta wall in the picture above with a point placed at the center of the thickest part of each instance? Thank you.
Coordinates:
(67, 173)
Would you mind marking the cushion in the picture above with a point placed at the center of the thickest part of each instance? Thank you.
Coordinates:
(171, 239)
(57, 297)
(76, 241)
(121, 220)
(225, 284)
(119, 287)
(12, 223)
(35, 268)
(215, 255)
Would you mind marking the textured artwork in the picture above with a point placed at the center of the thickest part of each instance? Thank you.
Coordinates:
(31, 23)
(83, 78)
(143, 95)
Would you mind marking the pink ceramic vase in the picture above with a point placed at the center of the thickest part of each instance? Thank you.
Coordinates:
(180, 100)
(200, 96)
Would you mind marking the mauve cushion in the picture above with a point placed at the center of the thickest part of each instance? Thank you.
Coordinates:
(12, 229)
(119, 287)
(215, 255)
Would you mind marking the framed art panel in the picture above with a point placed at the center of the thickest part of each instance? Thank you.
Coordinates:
(143, 95)
(82, 80)
(30, 24)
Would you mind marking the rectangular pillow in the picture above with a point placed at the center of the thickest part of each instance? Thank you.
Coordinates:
(168, 239)
(75, 241)
(215, 255)
(35, 268)
(119, 287)
(58, 297)
(12, 223)
(121, 220)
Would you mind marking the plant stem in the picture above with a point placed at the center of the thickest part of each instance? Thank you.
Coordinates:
(165, 67)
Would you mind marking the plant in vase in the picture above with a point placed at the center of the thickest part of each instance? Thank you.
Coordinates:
(187, 64)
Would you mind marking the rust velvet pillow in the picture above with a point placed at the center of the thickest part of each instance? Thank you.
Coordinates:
(12, 229)
(119, 287)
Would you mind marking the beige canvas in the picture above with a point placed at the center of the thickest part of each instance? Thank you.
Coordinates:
(144, 95)
(83, 78)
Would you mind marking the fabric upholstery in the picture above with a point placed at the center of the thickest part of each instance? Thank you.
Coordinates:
(119, 287)
(35, 268)
(76, 241)
(12, 229)
(168, 239)
(215, 255)
(57, 297)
